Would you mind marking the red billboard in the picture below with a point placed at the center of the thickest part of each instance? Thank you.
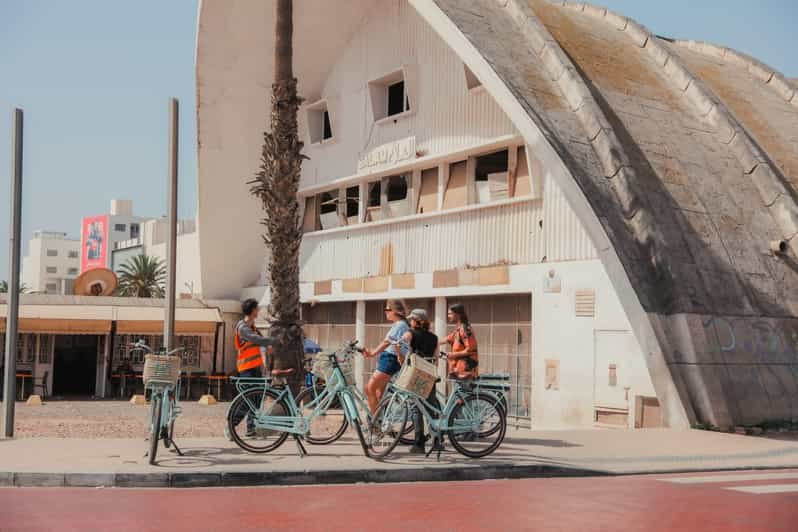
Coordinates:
(94, 243)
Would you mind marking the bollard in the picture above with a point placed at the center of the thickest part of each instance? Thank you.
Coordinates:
(207, 400)
(138, 400)
(34, 400)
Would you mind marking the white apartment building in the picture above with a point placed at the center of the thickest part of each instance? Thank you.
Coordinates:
(152, 241)
(52, 263)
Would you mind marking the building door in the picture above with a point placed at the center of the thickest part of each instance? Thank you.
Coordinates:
(611, 376)
(503, 327)
(75, 365)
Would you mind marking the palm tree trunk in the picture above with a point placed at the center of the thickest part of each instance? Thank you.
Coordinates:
(276, 185)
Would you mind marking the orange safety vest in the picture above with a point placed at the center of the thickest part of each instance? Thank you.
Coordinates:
(248, 354)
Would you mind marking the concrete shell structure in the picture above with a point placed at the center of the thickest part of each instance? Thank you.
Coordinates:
(661, 177)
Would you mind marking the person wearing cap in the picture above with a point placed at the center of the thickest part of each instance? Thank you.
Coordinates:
(388, 352)
(425, 344)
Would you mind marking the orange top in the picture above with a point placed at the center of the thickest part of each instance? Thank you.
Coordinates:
(464, 358)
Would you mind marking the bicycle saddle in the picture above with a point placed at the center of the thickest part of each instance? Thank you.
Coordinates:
(281, 372)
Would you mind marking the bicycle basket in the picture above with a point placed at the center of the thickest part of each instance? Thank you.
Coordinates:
(161, 368)
(323, 367)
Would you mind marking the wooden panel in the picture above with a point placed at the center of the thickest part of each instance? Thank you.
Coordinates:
(310, 220)
(612, 417)
(456, 194)
(428, 196)
(523, 181)
(352, 285)
(445, 279)
(403, 281)
(494, 275)
(322, 288)
(648, 413)
(375, 284)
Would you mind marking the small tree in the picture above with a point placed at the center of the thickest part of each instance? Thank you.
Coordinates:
(142, 276)
(23, 289)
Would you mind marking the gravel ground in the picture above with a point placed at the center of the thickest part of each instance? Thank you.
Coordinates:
(111, 419)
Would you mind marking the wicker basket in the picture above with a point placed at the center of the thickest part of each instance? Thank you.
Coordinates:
(161, 368)
(323, 367)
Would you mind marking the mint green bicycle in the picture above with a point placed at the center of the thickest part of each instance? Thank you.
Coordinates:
(274, 413)
(473, 420)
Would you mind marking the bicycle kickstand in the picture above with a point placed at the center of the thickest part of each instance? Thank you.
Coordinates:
(300, 447)
(175, 448)
(437, 445)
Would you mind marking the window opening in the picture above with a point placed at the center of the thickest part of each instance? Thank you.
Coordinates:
(491, 177)
(352, 202)
(327, 128)
(397, 99)
(472, 82)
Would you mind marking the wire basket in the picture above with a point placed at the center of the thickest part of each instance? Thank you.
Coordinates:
(323, 367)
(161, 368)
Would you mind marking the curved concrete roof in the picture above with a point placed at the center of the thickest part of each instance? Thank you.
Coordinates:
(681, 161)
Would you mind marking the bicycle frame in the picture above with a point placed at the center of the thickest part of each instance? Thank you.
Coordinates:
(169, 407)
(295, 422)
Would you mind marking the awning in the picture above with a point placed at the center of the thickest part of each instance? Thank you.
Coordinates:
(50, 326)
(61, 319)
(149, 320)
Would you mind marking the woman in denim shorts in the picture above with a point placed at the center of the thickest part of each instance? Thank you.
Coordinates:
(388, 363)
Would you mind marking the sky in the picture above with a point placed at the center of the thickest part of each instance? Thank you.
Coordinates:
(94, 78)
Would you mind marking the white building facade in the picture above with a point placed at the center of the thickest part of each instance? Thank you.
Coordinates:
(52, 263)
(417, 186)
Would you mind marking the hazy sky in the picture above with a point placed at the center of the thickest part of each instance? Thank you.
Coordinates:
(95, 76)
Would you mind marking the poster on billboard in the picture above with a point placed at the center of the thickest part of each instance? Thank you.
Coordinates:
(94, 243)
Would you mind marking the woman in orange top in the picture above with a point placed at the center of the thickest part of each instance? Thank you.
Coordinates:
(464, 358)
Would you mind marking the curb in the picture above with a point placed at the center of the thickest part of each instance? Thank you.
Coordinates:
(344, 476)
(287, 478)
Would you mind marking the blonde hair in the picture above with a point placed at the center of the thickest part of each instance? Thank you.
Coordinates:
(397, 306)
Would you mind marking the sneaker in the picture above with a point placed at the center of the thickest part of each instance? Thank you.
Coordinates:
(227, 434)
(417, 449)
(251, 433)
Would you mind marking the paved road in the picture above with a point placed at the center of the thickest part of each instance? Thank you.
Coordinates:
(735, 501)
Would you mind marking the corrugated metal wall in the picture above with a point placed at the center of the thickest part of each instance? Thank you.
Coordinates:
(447, 116)
(481, 237)
(563, 234)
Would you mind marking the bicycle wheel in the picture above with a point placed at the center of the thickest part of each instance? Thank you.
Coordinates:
(501, 404)
(155, 425)
(256, 440)
(387, 426)
(471, 422)
(326, 427)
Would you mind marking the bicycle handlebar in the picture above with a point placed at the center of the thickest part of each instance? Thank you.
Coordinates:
(144, 347)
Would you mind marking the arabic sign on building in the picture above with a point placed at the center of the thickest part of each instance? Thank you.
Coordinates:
(94, 243)
(388, 155)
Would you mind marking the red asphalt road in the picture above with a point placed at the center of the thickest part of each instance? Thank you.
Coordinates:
(583, 504)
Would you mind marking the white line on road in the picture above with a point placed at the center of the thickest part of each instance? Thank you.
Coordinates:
(767, 488)
(730, 478)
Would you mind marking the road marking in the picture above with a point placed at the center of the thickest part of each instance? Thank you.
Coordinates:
(730, 478)
(768, 488)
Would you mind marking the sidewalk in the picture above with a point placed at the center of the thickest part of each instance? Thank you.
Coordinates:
(524, 453)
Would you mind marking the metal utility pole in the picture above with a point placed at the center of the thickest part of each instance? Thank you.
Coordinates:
(14, 246)
(171, 251)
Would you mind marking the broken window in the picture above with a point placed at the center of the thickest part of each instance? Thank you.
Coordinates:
(396, 189)
(374, 204)
(397, 99)
(491, 177)
(389, 95)
(319, 123)
(328, 209)
(428, 195)
(472, 82)
(352, 203)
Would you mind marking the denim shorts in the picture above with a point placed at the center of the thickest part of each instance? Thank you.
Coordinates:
(388, 363)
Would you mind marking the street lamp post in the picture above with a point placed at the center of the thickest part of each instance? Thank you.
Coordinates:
(14, 245)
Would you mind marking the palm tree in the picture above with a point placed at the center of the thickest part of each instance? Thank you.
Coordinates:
(23, 289)
(276, 185)
(142, 276)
